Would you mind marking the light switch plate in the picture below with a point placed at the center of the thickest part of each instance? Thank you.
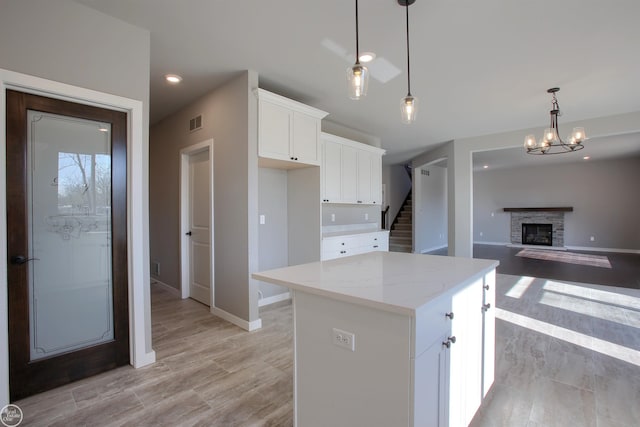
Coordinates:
(262, 220)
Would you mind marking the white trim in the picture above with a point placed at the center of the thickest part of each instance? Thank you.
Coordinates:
(273, 299)
(137, 212)
(590, 249)
(435, 248)
(185, 153)
(173, 291)
(248, 326)
(274, 98)
(492, 243)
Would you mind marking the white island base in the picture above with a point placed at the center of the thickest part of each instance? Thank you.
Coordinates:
(391, 339)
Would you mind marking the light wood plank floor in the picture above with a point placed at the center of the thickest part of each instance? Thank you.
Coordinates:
(567, 355)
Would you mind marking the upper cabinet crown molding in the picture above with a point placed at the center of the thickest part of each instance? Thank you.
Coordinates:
(352, 143)
(288, 132)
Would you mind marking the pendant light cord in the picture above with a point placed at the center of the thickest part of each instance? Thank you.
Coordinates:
(357, 37)
(408, 67)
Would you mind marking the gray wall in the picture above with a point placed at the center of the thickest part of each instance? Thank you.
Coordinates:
(431, 207)
(397, 185)
(604, 195)
(350, 214)
(273, 248)
(63, 41)
(229, 116)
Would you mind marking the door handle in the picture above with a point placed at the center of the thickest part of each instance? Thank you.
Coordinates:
(19, 260)
(188, 233)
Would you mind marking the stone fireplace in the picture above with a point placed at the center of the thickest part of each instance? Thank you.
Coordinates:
(538, 226)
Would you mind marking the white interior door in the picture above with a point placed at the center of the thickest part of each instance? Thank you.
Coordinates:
(199, 223)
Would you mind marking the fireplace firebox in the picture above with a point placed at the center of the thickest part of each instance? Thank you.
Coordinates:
(537, 234)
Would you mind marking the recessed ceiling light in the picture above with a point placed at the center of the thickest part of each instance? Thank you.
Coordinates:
(586, 157)
(173, 78)
(367, 56)
(486, 166)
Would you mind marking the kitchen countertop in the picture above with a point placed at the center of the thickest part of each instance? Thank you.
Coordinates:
(350, 233)
(390, 281)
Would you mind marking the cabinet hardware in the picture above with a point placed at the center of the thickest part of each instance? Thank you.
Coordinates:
(359, 201)
(449, 341)
(486, 307)
(486, 287)
(375, 246)
(449, 315)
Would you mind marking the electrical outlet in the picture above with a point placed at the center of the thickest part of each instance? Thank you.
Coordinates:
(366, 217)
(262, 220)
(333, 217)
(481, 234)
(344, 339)
(593, 238)
(493, 214)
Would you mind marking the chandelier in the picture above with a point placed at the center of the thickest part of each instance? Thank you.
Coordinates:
(551, 143)
(357, 75)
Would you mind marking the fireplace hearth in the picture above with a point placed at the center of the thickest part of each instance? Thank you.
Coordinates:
(537, 234)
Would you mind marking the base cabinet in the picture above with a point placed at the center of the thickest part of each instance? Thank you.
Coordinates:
(444, 357)
(354, 244)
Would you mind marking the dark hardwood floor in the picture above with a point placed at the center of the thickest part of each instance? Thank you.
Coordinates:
(624, 271)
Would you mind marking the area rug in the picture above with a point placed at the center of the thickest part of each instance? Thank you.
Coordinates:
(567, 257)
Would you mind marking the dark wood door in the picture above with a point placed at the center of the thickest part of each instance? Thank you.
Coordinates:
(66, 242)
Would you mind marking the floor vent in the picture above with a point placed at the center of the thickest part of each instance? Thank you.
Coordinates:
(195, 123)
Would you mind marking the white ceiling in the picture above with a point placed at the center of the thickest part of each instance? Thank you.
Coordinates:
(478, 67)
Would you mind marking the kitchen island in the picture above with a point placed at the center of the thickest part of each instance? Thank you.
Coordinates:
(391, 339)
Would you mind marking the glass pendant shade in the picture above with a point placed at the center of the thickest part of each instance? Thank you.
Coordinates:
(578, 134)
(549, 135)
(530, 141)
(409, 108)
(357, 80)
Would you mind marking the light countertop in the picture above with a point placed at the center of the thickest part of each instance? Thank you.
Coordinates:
(351, 233)
(390, 281)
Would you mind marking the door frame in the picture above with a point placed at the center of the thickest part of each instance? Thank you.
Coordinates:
(185, 271)
(141, 354)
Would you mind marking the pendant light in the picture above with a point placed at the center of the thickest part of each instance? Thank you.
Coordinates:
(408, 104)
(357, 75)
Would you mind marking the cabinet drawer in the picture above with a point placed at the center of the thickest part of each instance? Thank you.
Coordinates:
(332, 244)
(432, 322)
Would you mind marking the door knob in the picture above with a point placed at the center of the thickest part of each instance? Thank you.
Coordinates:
(188, 233)
(486, 307)
(449, 341)
(449, 315)
(19, 259)
(486, 287)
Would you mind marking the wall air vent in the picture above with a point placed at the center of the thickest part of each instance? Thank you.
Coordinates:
(195, 123)
(425, 172)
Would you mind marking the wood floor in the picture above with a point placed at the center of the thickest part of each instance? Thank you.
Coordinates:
(567, 355)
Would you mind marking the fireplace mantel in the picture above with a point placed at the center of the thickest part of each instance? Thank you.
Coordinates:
(554, 209)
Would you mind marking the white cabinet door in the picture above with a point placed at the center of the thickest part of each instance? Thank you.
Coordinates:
(466, 354)
(431, 384)
(275, 131)
(365, 183)
(306, 141)
(376, 179)
(489, 333)
(349, 175)
(331, 172)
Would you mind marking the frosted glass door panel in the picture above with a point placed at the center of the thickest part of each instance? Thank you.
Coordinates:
(70, 284)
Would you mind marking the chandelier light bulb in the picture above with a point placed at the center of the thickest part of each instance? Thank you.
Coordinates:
(578, 134)
(529, 141)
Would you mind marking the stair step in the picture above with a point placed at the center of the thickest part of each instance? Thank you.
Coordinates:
(400, 233)
(400, 248)
(400, 240)
(405, 220)
(399, 226)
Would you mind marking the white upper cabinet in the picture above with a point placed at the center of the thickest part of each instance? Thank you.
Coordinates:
(351, 171)
(288, 132)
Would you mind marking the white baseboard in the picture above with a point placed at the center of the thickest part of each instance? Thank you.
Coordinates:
(246, 325)
(591, 249)
(492, 243)
(166, 287)
(148, 359)
(435, 248)
(273, 299)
